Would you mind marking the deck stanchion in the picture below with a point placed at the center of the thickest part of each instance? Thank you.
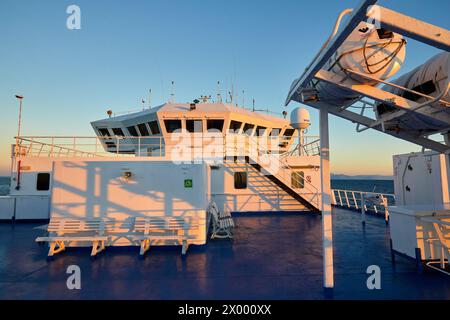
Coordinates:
(354, 200)
(346, 198)
(363, 209)
(386, 210)
(327, 221)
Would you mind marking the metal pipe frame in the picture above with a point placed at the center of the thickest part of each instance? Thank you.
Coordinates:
(396, 22)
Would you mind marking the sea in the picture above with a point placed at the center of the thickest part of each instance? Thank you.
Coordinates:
(4, 186)
(382, 186)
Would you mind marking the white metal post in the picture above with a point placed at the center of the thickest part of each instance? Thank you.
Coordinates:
(20, 98)
(327, 222)
(386, 210)
(363, 209)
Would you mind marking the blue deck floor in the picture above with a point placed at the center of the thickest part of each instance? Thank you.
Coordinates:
(271, 257)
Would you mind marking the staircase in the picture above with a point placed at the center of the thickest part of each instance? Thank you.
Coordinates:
(275, 167)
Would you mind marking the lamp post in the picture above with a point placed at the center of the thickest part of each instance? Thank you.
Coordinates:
(20, 98)
(17, 148)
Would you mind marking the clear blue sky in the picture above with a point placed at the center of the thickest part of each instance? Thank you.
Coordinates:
(71, 77)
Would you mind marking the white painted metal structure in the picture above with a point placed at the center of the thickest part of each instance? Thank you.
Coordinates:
(359, 88)
(234, 143)
(345, 74)
(422, 232)
(421, 178)
(148, 177)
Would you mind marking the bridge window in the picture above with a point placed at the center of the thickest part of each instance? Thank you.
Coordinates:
(43, 182)
(118, 132)
(214, 124)
(260, 131)
(235, 126)
(154, 128)
(248, 129)
(133, 132)
(143, 129)
(172, 125)
(104, 132)
(288, 133)
(298, 179)
(275, 132)
(194, 125)
(240, 180)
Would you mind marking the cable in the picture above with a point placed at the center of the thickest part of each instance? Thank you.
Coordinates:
(388, 59)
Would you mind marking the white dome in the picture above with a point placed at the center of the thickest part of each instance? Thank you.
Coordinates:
(300, 118)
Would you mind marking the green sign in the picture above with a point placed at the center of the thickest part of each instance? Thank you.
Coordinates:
(188, 183)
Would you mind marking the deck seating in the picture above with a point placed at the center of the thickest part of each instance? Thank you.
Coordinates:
(64, 230)
(222, 222)
(154, 229)
(143, 230)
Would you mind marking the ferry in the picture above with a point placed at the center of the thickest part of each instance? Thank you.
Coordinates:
(211, 200)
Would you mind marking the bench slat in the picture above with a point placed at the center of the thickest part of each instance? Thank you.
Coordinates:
(70, 238)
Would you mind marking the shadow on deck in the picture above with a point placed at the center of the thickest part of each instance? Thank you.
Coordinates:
(271, 257)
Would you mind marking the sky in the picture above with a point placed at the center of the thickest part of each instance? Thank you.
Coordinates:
(71, 77)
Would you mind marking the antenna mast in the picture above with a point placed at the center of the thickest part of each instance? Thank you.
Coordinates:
(150, 98)
(219, 96)
(172, 95)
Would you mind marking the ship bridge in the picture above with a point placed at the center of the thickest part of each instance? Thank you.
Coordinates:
(150, 131)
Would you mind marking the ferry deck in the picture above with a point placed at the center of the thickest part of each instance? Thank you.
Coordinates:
(223, 269)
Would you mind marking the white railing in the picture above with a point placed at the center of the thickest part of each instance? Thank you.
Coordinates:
(309, 147)
(84, 146)
(363, 201)
(143, 146)
(275, 165)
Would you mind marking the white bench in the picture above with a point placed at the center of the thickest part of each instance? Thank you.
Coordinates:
(222, 222)
(65, 230)
(151, 229)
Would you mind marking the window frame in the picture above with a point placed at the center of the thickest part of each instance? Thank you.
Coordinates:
(242, 182)
(121, 134)
(135, 130)
(46, 182)
(143, 126)
(294, 183)
(208, 129)
(252, 129)
(274, 129)
(288, 136)
(231, 130)
(172, 131)
(151, 128)
(258, 129)
(193, 120)
(102, 132)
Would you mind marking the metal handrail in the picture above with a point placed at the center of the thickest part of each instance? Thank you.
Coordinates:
(309, 148)
(365, 201)
(282, 170)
